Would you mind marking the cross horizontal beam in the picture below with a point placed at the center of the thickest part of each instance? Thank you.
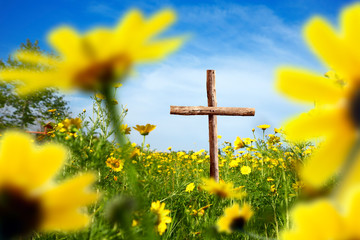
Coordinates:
(200, 110)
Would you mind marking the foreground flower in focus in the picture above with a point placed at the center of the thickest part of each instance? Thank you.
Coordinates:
(336, 117)
(162, 216)
(234, 218)
(145, 129)
(99, 57)
(322, 220)
(29, 199)
(222, 189)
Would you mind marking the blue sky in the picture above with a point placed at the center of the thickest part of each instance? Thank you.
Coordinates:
(244, 41)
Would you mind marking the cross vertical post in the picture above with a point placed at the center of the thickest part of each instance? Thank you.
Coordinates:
(212, 110)
(213, 140)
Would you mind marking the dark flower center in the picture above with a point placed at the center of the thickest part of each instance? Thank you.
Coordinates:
(238, 224)
(355, 108)
(19, 214)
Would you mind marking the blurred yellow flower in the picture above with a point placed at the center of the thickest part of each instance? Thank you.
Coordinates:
(99, 57)
(135, 152)
(100, 96)
(336, 117)
(234, 163)
(125, 129)
(323, 220)
(117, 85)
(222, 189)
(144, 129)
(238, 143)
(234, 218)
(30, 198)
(190, 187)
(245, 170)
(52, 110)
(162, 216)
(263, 127)
(115, 164)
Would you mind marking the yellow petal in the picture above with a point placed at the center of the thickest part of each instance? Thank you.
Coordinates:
(351, 180)
(65, 221)
(352, 204)
(318, 220)
(71, 194)
(158, 50)
(331, 49)
(67, 42)
(329, 158)
(125, 30)
(12, 161)
(313, 124)
(45, 163)
(34, 80)
(36, 58)
(350, 22)
(158, 23)
(98, 41)
(306, 86)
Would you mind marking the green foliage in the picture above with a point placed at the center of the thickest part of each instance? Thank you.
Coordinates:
(272, 187)
(25, 111)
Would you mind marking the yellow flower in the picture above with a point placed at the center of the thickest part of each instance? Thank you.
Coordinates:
(270, 179)
(100, 96)
(248, 141)
(219, 136)
(69, 123)
(245, 170)
(336, 117)
(115, 164)
(190, 187)
(273, 188)
(200, 212)
(277, 130)
(238, 143)
(135, 153)
(30, 198)
(169, 148)
(323, 220)
(234, 218)
(100, 56)
(144, 129)
(117, 85)
(264, 126)
(222, 189)
(52, 110)
(162, 216)
(234, 163)
(134, 223)
(125, 129)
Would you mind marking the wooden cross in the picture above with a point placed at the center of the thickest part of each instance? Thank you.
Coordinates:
(212, 110)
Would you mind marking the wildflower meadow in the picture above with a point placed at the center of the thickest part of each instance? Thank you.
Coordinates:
(82, 177)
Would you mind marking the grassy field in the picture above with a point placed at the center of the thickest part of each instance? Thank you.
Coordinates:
(261, 171)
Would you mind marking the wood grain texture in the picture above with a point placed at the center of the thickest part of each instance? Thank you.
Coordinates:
(201, 110)
(213, 140)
